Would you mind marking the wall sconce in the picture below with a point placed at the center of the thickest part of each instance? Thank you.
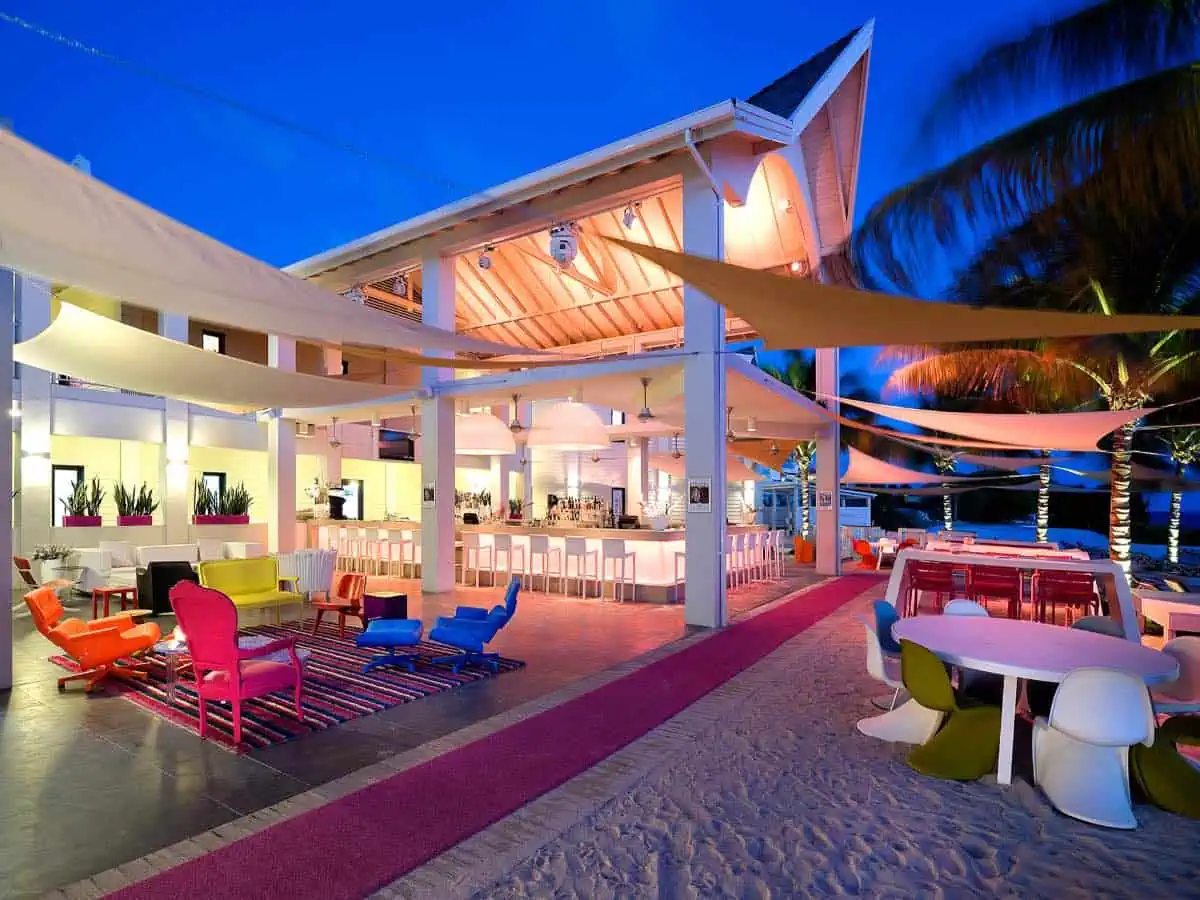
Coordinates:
(14, 411)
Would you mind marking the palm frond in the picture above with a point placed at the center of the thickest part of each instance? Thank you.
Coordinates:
(1098, 45)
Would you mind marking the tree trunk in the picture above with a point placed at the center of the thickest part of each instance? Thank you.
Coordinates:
(805, 503)
(1043, 503)
(1119, 529)
(1173, 527)
(947, 511)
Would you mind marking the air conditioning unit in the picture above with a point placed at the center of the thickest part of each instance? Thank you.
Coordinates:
(306, 430)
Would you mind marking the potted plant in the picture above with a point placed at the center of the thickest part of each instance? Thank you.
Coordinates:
(135, 507)
(82, 508)
(516, 510)
(51, 558)
(232, 507)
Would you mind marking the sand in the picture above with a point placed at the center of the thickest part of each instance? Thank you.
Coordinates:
(784, 798)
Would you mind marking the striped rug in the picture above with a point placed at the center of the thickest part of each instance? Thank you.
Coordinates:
(335, 689)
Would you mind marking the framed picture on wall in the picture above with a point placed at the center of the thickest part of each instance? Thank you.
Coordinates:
(618, 502)
(699, 495)
(428, 493)
(824, 499)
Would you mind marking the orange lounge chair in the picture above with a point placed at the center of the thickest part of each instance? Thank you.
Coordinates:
(98, 646)
(866, 559)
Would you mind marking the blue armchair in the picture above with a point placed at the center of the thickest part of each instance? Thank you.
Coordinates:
(473, 628)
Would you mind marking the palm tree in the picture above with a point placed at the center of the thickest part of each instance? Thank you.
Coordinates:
(1088, 207)
(946, 462)
(1042, 527)
(799, 373)
(1184, 445)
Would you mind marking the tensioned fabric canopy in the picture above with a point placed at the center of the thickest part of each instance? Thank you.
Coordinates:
(1079, 431)
(760, 451)
(1008, 463)
(792, 312)
(735, 469)
(866, 469)
(61, 224)
(93, 348)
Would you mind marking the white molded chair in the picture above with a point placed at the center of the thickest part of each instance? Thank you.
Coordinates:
(775, 553)
(735, 558)
(539, 548)
(410, 553)
(909, 723)
(680, 573)
(615, 552)
(1183, 694)
(576, 549)
(962, 607)
(516, 563)
(483, 557)
(1081, 753)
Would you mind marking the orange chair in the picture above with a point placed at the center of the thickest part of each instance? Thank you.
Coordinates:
(345, 599)
(98, 646)
(996, 583)
(866, 559)
(929, 577)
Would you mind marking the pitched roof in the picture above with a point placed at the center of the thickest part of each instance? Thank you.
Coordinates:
(783, 95)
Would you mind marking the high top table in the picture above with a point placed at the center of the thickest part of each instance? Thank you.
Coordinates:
(1018, 649)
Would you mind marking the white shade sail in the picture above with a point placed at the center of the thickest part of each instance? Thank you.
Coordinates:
(1008, 463)
(61, 224)
(1079, 431)
(735, 469)
(568, 426)
(866, 469)
(482, 434)
(99, 350)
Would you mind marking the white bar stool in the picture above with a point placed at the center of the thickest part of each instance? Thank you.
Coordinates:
(348, 548)
(539, 546)
(735, 558)
(375, 550)
(503, 544)
(775, 548)
(680, 572)
(615, 551)
(473, 549)
(410, 554)
(576, 549)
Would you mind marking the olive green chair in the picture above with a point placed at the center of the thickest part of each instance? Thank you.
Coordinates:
(1162, 774)
(968, 744)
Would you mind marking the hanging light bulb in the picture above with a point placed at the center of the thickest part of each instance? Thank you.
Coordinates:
(630, 215)
(645, 415)
(729, 435)
(595, 457)
(675, 454)
(356, 295)
(485, 259)
(400, 285)
(515, 425)
(333, 438)
(416, 431)
(774, 448)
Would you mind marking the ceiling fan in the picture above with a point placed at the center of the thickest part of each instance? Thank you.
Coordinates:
(675, 454)
(645, 415)
(515, 425)
(416, 431)
(333, 438)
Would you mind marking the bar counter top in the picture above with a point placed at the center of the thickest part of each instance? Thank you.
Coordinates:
(648, 535)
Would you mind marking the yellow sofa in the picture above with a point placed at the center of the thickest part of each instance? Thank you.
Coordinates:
(249, 583)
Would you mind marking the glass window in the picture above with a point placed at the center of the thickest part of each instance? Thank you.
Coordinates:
(352, 508)
(618, 417)
(345, 367)
(215, 482)
(212, 341)
(62, 485)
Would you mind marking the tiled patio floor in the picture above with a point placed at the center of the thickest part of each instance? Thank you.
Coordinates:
(90, 782)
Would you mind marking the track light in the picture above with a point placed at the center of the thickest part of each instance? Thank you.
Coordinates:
(356, 295)
(645, 415)
(400, 285)
(631, 214)
(515, 425)
(485, 258)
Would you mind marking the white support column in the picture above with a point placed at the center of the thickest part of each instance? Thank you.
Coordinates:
(501, 467)
(437, 438)
(704, 410)
(525, 408)
(8, 305)
(35, 503)
(331, 457)
(829, 461)
(281, 458)
(637, 475)
(176, 508)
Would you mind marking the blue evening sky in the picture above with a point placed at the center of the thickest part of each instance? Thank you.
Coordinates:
(446, 99)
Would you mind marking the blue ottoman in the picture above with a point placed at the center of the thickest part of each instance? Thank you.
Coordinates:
(390, 634)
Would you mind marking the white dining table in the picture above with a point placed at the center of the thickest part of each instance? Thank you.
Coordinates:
(1017, 649)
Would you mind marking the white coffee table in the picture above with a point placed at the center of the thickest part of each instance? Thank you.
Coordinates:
(177, 651)
(1031, 650)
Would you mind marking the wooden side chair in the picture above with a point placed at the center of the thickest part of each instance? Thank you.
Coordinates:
(345, 599)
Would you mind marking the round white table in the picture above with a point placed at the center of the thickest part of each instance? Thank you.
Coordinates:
(1031, 650)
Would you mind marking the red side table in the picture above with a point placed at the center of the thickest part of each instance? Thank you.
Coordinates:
(124, 593)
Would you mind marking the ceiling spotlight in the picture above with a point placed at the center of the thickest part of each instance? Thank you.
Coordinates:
(595, 457)
(14, 411)
(356, 295)
(785, 205)
(729, 435)
(416, 431)
(774, 449)
(400, 285)
(631, 214)
(752, 424)
(515, 425)
(485, 258)
(675, 454)
(645, 415)
(796, 265)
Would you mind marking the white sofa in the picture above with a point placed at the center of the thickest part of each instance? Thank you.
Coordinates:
(117, 562)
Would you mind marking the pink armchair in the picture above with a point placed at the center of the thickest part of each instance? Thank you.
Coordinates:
(223, 670)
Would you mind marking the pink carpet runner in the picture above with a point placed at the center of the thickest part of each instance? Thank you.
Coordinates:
(359, 843)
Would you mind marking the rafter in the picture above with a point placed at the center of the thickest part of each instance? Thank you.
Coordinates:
(566, 272)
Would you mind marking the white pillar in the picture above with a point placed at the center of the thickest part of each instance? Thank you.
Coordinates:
(437, 438)
(525, 408)
(501, 467)
(176, 506)
(35, 503)
(829, 461)
(8, 305)
(704, 411)
(637, 474)
(281, 458)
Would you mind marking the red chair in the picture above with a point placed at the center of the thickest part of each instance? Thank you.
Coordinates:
(996, 583)
(866, 559)
(929, 577)
(345, 599)
(25, 569)
(1074, 590)
(225, 671)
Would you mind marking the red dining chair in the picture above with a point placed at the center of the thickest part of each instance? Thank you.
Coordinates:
(866, 559)
(996, 583)
(1076, 591)
(929, 577)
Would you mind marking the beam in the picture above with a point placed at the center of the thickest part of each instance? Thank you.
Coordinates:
(562, 271)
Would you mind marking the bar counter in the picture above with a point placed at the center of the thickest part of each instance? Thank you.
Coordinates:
(655, 553)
